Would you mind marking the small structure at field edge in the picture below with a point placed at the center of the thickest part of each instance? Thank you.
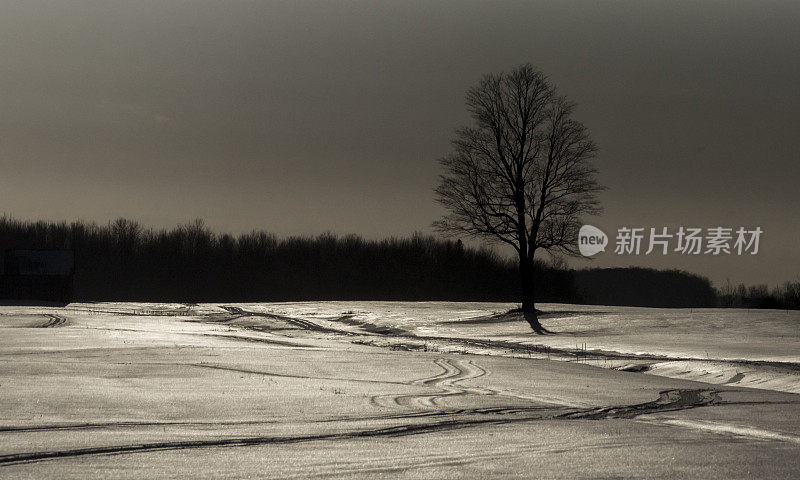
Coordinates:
(40, 275)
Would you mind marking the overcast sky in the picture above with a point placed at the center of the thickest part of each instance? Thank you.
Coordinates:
(304, 117)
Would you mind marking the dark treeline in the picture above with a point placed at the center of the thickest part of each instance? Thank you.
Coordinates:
(125, 261)
(644, 287)
(786, 296)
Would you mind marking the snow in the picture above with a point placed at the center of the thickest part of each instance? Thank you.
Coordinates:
(754, 348)
(417, 390)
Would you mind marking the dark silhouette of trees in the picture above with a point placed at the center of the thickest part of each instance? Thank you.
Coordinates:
(786, 296)
(643, 287)
(125, 261)
(521, 174)
(189, 263)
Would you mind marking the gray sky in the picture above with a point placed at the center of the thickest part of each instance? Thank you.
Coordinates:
(304, 117)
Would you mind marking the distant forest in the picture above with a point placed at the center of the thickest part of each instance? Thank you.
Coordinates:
(123, 261)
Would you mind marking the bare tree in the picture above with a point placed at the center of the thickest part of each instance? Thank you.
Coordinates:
(521, 174)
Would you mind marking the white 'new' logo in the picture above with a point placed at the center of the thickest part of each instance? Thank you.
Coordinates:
(591, 240)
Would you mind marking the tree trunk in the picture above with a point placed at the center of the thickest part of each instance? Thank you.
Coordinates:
(526, 276)
(528, 299)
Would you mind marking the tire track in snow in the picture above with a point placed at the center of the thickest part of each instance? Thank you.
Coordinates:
(669, 400)
(447, 383)
(297, 322)
(54, 321)
(722, 428)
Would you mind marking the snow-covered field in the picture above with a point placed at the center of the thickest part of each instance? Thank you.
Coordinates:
(413, 390)
(753, 348)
